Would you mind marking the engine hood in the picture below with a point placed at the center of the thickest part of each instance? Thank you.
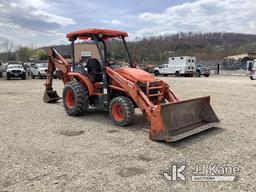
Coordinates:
(42, 68)
(16, 69)
(135, 74)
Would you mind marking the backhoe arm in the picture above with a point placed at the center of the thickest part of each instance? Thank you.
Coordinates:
(56, 62)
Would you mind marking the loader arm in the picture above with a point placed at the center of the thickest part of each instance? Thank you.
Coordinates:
(171, 119)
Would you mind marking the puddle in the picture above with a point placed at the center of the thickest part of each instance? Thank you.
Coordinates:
(71, 133)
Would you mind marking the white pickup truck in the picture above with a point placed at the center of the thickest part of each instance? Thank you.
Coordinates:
(14, 71)
(184, 65)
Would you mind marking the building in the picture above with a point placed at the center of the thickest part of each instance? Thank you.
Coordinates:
(242, 61)
(84, 51)
(242, 56)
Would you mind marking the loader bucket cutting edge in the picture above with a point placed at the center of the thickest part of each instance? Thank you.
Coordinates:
(185, 118)
(51, 97)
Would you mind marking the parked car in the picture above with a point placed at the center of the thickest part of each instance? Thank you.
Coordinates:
(39, 70)
(202, 70)
(14, 71)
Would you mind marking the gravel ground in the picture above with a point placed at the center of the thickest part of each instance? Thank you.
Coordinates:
(43, 149)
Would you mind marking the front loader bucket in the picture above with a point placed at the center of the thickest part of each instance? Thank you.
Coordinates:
(184, 118)
(51, 96)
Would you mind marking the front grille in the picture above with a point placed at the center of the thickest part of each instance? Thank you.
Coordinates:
(143, 86)
(16, 71)
(151, 93)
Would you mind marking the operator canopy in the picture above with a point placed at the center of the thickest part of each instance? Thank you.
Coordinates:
(89, 33)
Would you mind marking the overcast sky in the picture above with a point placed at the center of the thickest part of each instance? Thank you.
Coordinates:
(45, 22)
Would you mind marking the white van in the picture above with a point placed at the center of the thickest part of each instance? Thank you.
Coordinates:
(184, 65)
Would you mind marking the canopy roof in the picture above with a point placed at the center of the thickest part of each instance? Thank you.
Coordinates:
(88, 33)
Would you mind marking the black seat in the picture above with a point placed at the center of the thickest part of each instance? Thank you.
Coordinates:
(94, 69)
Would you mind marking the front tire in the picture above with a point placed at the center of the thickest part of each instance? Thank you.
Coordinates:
(207, 75)
(156, 73)
(23, 77)
(75, 98)
(121, 111)
(39, 76)
(8, 76)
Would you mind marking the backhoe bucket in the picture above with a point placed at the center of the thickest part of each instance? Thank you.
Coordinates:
(184, 118)
(51, 96)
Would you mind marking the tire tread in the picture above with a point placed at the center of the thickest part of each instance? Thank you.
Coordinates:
(81, 95)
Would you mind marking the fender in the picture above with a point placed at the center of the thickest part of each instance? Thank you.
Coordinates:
(86, 81)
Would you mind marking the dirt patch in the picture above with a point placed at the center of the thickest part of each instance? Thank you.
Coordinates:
(131, 171)
(71, 133)
(6, 184)
(8, 93)
(144, 158)
(113, 131)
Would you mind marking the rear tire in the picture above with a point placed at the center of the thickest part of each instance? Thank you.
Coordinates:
(121, 111)
(177, 74)
(75, 98)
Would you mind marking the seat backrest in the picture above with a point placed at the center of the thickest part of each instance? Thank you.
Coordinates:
(93, 66)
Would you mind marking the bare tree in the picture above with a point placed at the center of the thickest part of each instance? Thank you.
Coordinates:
(8, 48)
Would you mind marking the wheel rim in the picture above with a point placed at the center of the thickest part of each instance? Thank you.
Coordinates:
(69, 98)
(117, 112)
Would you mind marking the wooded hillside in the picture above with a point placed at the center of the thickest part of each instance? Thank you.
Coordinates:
(155, 50)
(205, 46)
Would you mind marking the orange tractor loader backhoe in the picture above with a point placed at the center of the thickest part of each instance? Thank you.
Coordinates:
(108, 86)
